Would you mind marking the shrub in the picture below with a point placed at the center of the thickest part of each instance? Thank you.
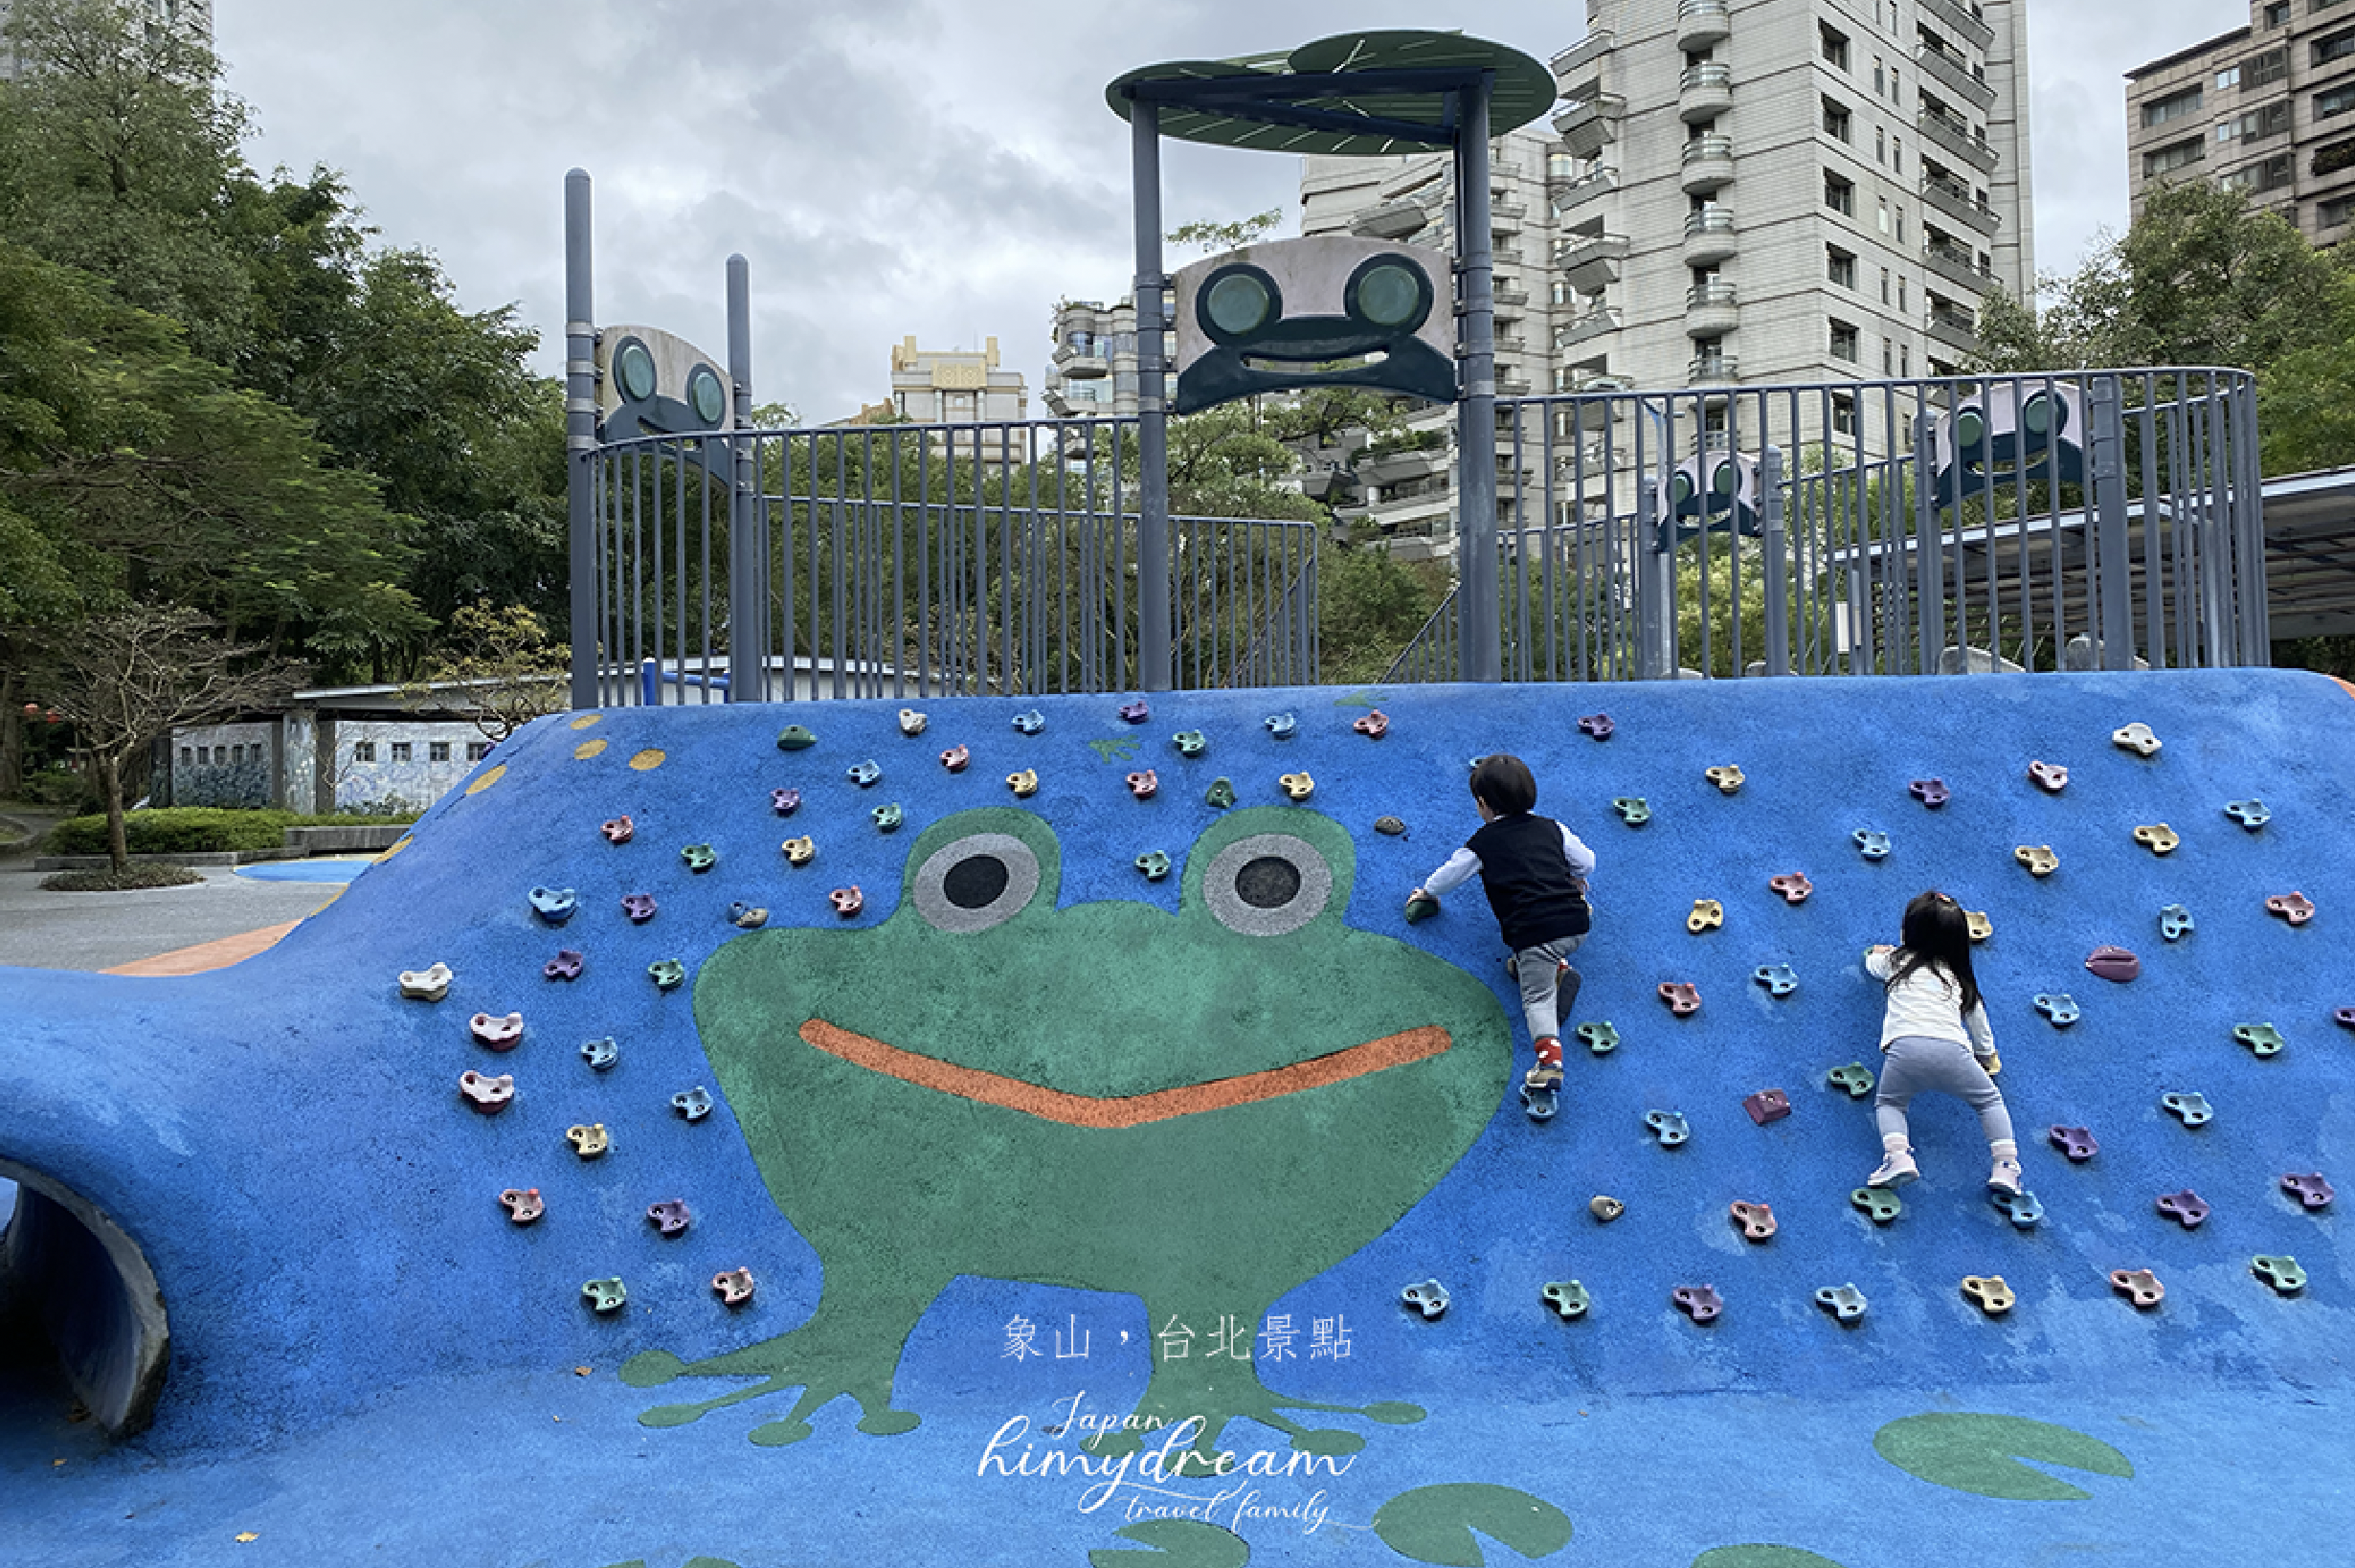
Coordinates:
(190, 830)
(59, 788)
(151, 874)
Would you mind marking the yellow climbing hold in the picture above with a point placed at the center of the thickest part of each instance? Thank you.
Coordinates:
(648, 760)
(488, 779)
(586, 720)
(587, 749)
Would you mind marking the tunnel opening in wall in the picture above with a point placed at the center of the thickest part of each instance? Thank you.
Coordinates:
(77, 1294)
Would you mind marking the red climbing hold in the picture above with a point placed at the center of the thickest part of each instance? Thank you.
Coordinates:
(1767, 1105)
(2114, 964)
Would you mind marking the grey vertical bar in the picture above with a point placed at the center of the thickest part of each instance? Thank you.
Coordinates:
(2248, 481)
(580, 432)
(1475, 532)
(1153, 559)
(2109, 578)
(1777, 564)
(748, 577)
(1929, 545)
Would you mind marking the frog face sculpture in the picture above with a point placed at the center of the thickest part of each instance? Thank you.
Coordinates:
(1252, 1053)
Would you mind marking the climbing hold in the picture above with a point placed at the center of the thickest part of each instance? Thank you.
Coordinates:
(1605, 1207)
(1706, 912)
(639, 906)
(2174, 922)
(1930, 792)
(1779, 979)
(427, 984)
(2343, 1016)
(2310, 1189)
(2059, 1007)
(2185, 1207)
(666, 973)
(1190, 742)
(888, 817)
(2075, 1142)
(1767, 1105)
(1281, 726)
(1421, 907)
(1856, 1078)
(2252, 815)
(2039, 859)
(2048, 776)
(847, 902)
(565, 966)
(693, 1104)
(800, 851)
(1756, 1220)
(2191, 1109)
(1374, 725)
(1683, 997)
(1989, 1294)
(1844, 1301)
(2021, 1208)
(911, 722)
(1728, 779)
(1879, 1203)
(1389, 827)
(1633, 810)
(1220, 794)
(2114, 964)
(2261, 1039)
(864, 774)
(1542, 1101)
(499, 1034)
(1700, 1303)
(620, 831)
(1872, 843)
(588, 1141)
(1980, 926)
(600, 1053)
(2281, 1272)
(1668, 1127)
(785, 802)
(794, 738)
(2136, 738)
(604, 1295)
(1598, 724)
(1429, 1297)
(1136, 712)
(1153, 863)
(1145, 785)
(734, 1287)
(1031, 723)
(487, 1094)
(956, 759)
(1599, 1036)
(523, 1205)
(2295, 907)
(2139, 1286)
(670, 1217)
(553, 904)
(749, 917)
(1296, 786)
(2158, 837)
(1567, 1297)
(1794, 887)
(699, 858)
(1023, 784)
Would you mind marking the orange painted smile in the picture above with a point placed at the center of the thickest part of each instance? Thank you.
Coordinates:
(1125, 1110)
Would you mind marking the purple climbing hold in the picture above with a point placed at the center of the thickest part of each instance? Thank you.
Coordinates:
(2186, 1207)
(669, 1217)
(2309, 1189)
(2075, 1142)
(1930, 792)
(639, 906)
(785, 802)
(1136, 712)
(1700, 1302)
(565, 966)
(1598, 724)
(2114, 964)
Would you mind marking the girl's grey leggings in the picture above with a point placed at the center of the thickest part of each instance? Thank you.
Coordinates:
(1914, 1063)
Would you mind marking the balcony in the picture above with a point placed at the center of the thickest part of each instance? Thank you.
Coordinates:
(1955, 329)
(1713, 370)
(1702, 23)
(1512, 383)
(1504, 255)
(1952, 197)
(1962, 17)
(1509, 293)
(1590, 125)
(1707, 164)
(1577, 62)
(1958, 264)
(1950, 71)
(1081, 357)
(1709, 236)
(1594, 323)
(1394, 221)
(1590, 261)
(1956, 136)
(1709, 309)
(1704, 92)
(1576, 191)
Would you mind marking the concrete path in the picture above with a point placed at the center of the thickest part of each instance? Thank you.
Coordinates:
(104, 931)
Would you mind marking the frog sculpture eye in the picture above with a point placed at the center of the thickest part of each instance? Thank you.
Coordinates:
(974, 882)
(1266, 885)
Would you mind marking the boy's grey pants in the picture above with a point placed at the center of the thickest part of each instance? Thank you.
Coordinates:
(1543, 1002)
(1914, 1063)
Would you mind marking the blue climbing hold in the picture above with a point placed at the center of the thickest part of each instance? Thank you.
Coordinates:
(2021, 1208)
(2059, 1007)
(2174, 922)
(1779, 979)
(2252, 815)
(1668, 1127)
(1872, 843)
(1031, 723)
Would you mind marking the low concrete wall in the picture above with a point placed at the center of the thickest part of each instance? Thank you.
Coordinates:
(332, 841)
(195, 856)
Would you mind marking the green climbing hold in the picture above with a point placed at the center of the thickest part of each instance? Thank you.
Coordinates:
(1568, 1298)
(1759, 1555)
(795, 738)
(1435, 1524)
(1633, 810)
(1177, 1543)
(1191, 743)
(699, 858)
(1421, 906)
(1856, 1078)
(1598, 1037)
(1981, 1455)
(1221, 793)
(1880, 1202)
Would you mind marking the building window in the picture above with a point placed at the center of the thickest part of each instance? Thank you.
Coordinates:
(476, 750)
(1881, 146)
(2228, 79)
(2334, 213)
(1833, 45)
(1905, 359)
(1839, 266)
(1901, 296)
(1842, 414)
(1846, 342)
(204, 756)
(1835, 119)
(237, 755)
(400, 750)
(1897, 153)
(2273, 172)
(436, 751)
(2174, 156)
(2331, 159)
(185, 758)
(1983, 202)
(364, 752)
(1840, 195)
(1889, 362)
(1884, 215)
(2174, 107)
(2338, 100)
(2264, 68)
(1884, 285)
(2334, 47)
(1897, 89)
(2278, 14)
(1880, 76)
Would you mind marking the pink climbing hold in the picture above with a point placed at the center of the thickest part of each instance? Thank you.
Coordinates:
(499, 1034)
(2295, 907)
(487, 1094)
(955, 757)
(1374, 725)
(1793, 887)
(2048, 776)
(847, 901)
(1145, 785)
(2114, 964)
(1683, 997)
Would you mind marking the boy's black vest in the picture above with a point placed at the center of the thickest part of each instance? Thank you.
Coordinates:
(1536, 897)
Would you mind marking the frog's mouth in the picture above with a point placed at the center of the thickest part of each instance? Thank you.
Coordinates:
(1397, 1050)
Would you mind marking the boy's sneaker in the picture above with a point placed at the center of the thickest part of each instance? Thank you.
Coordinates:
(1547, 1073)
(1896, 1169)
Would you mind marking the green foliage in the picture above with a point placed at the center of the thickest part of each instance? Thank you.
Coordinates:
(507, 669)
(1210, 237)
(130, 879)
(191, 830)
(1370, 605)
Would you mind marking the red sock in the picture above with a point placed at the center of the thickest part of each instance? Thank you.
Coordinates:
(1549, 1051)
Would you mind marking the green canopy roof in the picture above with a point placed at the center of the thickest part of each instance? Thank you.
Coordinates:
(1356, 93)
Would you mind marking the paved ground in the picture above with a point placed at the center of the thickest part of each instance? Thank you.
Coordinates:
(100, 930)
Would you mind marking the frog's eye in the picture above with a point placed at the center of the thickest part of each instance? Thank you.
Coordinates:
(1266, 885)
(976, 881)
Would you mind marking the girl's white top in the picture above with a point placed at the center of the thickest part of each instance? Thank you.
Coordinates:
(1929, 1002)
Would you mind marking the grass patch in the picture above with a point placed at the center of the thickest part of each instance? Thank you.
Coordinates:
(151, 874)
(190, 830)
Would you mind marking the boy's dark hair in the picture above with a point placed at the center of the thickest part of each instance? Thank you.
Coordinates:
(1503, 784)
(1935, 933)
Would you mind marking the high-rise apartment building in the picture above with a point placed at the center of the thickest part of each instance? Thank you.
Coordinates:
(193, 18)
(954, 386)
(2268, 109)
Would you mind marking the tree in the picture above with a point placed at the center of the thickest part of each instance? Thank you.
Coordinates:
(1211, 238)
(506, 670)
(126, 678)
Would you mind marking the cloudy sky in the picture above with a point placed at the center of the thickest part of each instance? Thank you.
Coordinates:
(941, 168)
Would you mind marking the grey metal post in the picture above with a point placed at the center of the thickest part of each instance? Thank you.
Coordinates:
(1482, 657)
(2116, 624)
(1154, 661)
(748, 522)
(1655, 565)
(1778, 564)
(2249, 506)
(580, 433)
(1929, 550)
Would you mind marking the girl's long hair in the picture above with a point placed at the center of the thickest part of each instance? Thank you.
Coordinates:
(1936, 935)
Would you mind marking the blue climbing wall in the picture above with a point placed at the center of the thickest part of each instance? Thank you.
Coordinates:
(287, 1143)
